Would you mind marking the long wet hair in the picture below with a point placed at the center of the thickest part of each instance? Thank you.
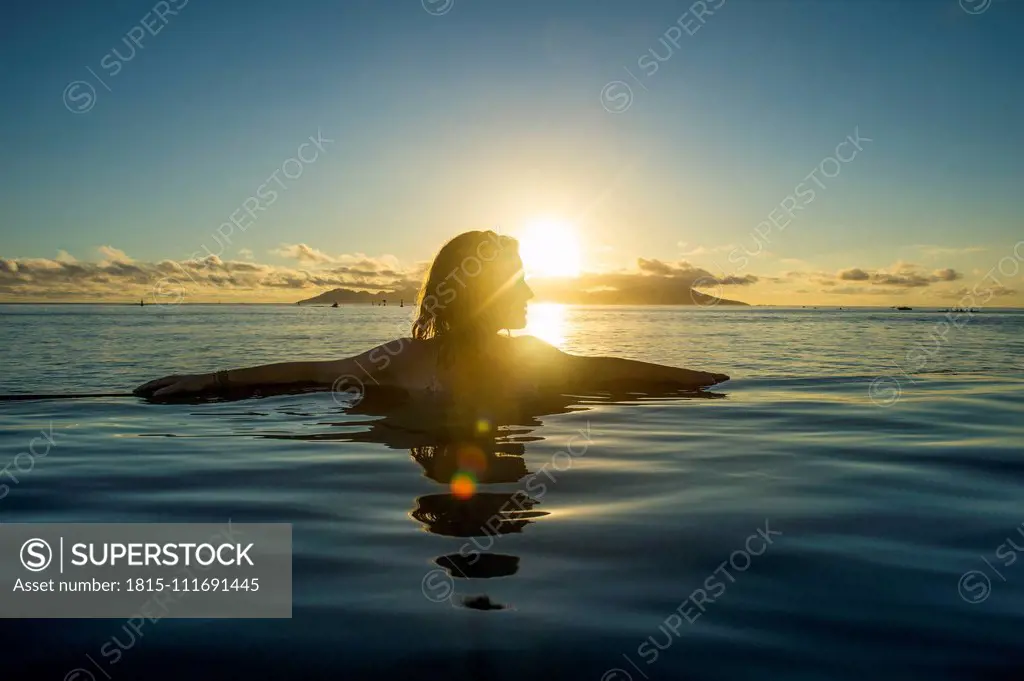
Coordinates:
(461, 299)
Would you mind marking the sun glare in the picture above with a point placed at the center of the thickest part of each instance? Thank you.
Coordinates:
(550, 249)
(547, 322)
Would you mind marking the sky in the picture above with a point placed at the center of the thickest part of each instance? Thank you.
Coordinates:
(845, 152)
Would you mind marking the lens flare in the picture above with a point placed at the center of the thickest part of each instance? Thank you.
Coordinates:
(463, 485)
(471, 459)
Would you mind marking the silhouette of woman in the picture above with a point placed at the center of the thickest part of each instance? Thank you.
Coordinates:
(474, 289)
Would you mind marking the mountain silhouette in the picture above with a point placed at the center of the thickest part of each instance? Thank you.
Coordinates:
(344, 296)
(659, 292)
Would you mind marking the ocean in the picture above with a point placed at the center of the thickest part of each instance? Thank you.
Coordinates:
(847, 506)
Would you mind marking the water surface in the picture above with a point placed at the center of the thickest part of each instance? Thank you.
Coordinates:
(882, 460)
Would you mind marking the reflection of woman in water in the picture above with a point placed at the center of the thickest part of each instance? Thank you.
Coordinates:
(474, 290)
(476, 515)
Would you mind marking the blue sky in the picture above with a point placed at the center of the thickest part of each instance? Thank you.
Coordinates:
(491, 114)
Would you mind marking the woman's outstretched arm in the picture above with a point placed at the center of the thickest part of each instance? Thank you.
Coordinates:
(370, 367)
(561, 370)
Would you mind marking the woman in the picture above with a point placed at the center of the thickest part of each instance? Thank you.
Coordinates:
(474, 290)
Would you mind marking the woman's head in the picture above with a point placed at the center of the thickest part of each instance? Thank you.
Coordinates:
(474, 286)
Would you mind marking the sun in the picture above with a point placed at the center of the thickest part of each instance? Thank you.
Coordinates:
(549, 248)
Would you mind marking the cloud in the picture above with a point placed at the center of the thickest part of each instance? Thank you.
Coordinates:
(311, 272)
(64, 256)
(246, 253)
(349, 263)
(997, 291)
(117, 277)
(732, 280)
(947, 274)
(687, 272)
(903, 275)
(698, 250)
(910, 281)
(858, 290)
(855, 274)
(658, 267)
(653, 281)
(113, 254)
(897, 280)
(302, 253)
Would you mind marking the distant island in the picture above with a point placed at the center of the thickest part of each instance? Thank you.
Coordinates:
(345, 296)
(635, 295)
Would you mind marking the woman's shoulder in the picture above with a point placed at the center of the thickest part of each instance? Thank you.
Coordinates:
(408, 362)
(405, 352)
(532, 346)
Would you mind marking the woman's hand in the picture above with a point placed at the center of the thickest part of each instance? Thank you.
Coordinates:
(178, 386)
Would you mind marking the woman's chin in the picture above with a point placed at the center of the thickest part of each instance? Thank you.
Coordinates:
(518, 322)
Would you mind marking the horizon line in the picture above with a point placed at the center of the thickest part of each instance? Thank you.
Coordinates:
(542, 302)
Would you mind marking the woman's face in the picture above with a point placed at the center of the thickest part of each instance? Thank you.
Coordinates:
(514, 297)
